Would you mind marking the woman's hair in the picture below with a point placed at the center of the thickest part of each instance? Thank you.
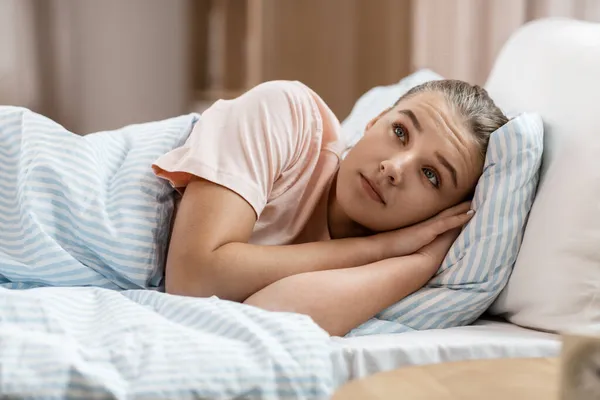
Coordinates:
(472, 102)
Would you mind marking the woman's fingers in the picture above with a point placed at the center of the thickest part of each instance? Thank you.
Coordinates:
(460, 208)
(454, 221)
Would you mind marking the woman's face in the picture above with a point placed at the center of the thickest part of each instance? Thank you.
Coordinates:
(415, 160)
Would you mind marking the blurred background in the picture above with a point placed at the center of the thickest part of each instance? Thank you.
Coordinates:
(100, 64)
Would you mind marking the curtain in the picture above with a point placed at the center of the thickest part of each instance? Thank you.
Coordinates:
(461, 38)
(96, 65)
(19, 75)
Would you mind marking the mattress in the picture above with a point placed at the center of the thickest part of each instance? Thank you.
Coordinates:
(356, 357)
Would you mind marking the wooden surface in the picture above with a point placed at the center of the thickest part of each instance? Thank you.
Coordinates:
(499, 379)
(340, 48)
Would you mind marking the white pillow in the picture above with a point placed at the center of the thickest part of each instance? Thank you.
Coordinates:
(556, 282)
(479, 263)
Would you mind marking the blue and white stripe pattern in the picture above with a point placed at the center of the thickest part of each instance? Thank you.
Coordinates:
(88, 211)
(479, 263)
(83, 210)
(94, 343)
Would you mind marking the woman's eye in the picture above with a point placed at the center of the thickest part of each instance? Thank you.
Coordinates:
(400, 132)
(432, 177)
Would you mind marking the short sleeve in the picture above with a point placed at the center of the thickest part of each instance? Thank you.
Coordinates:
(246, 143)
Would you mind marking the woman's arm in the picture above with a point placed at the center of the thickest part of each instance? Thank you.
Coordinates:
(209, 252)
(340, 300)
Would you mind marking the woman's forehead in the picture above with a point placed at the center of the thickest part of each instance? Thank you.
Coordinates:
(429, 102)
(433, 114)
(429, 111)
(445, 131)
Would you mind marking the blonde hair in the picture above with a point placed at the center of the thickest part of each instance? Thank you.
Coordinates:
(481, 115)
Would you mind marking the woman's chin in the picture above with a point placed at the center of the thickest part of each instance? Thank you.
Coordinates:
(370, 224)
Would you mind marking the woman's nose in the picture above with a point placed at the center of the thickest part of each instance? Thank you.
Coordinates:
(394, 170)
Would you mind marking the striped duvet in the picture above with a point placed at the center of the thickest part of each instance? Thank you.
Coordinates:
(87, 211)
(83, 210)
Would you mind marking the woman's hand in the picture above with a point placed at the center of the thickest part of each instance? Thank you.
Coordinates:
(406, 241)
(436, 251)
(341, 299)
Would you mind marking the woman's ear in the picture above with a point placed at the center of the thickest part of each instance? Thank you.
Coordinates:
(372, 122)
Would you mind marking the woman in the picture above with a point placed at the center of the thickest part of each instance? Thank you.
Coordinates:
(271, 216)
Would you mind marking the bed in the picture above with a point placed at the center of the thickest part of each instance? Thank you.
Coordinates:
(97, 342)
(357, 357)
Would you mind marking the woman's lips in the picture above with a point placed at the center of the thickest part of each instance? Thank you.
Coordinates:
(371, 189)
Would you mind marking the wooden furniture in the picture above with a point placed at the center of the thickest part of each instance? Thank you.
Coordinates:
(340, 48)
(497, 379)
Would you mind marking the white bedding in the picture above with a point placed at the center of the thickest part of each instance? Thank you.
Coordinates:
(365, 355)
(63, 342)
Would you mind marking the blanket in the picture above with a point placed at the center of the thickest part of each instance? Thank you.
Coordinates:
(94, 343)
(84, 210)
(84, 228)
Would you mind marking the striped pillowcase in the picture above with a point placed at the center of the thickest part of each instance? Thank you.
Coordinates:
(479, 263)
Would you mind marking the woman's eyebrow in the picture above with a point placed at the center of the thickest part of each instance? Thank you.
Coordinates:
(448, 166)
(413, 118)
(440, 157)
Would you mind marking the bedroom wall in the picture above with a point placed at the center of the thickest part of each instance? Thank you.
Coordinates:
(115, 62)
(460, 39)
(94, 65)
(97, 65)
(19, 80)
(340, 48)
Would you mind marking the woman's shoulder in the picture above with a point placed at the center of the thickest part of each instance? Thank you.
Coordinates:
(298, 93)
(332, 139)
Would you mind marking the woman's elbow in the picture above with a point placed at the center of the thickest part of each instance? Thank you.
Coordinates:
(187, 287)
(183, 277)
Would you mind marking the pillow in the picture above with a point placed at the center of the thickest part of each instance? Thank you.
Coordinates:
(84, 210)
(556, 283)
(480, 261)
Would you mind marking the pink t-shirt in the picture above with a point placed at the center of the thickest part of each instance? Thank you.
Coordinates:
(278, 146)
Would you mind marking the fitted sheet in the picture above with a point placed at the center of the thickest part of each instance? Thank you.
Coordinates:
(356, 357)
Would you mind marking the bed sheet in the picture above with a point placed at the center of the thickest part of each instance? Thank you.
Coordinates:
(360, 356)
